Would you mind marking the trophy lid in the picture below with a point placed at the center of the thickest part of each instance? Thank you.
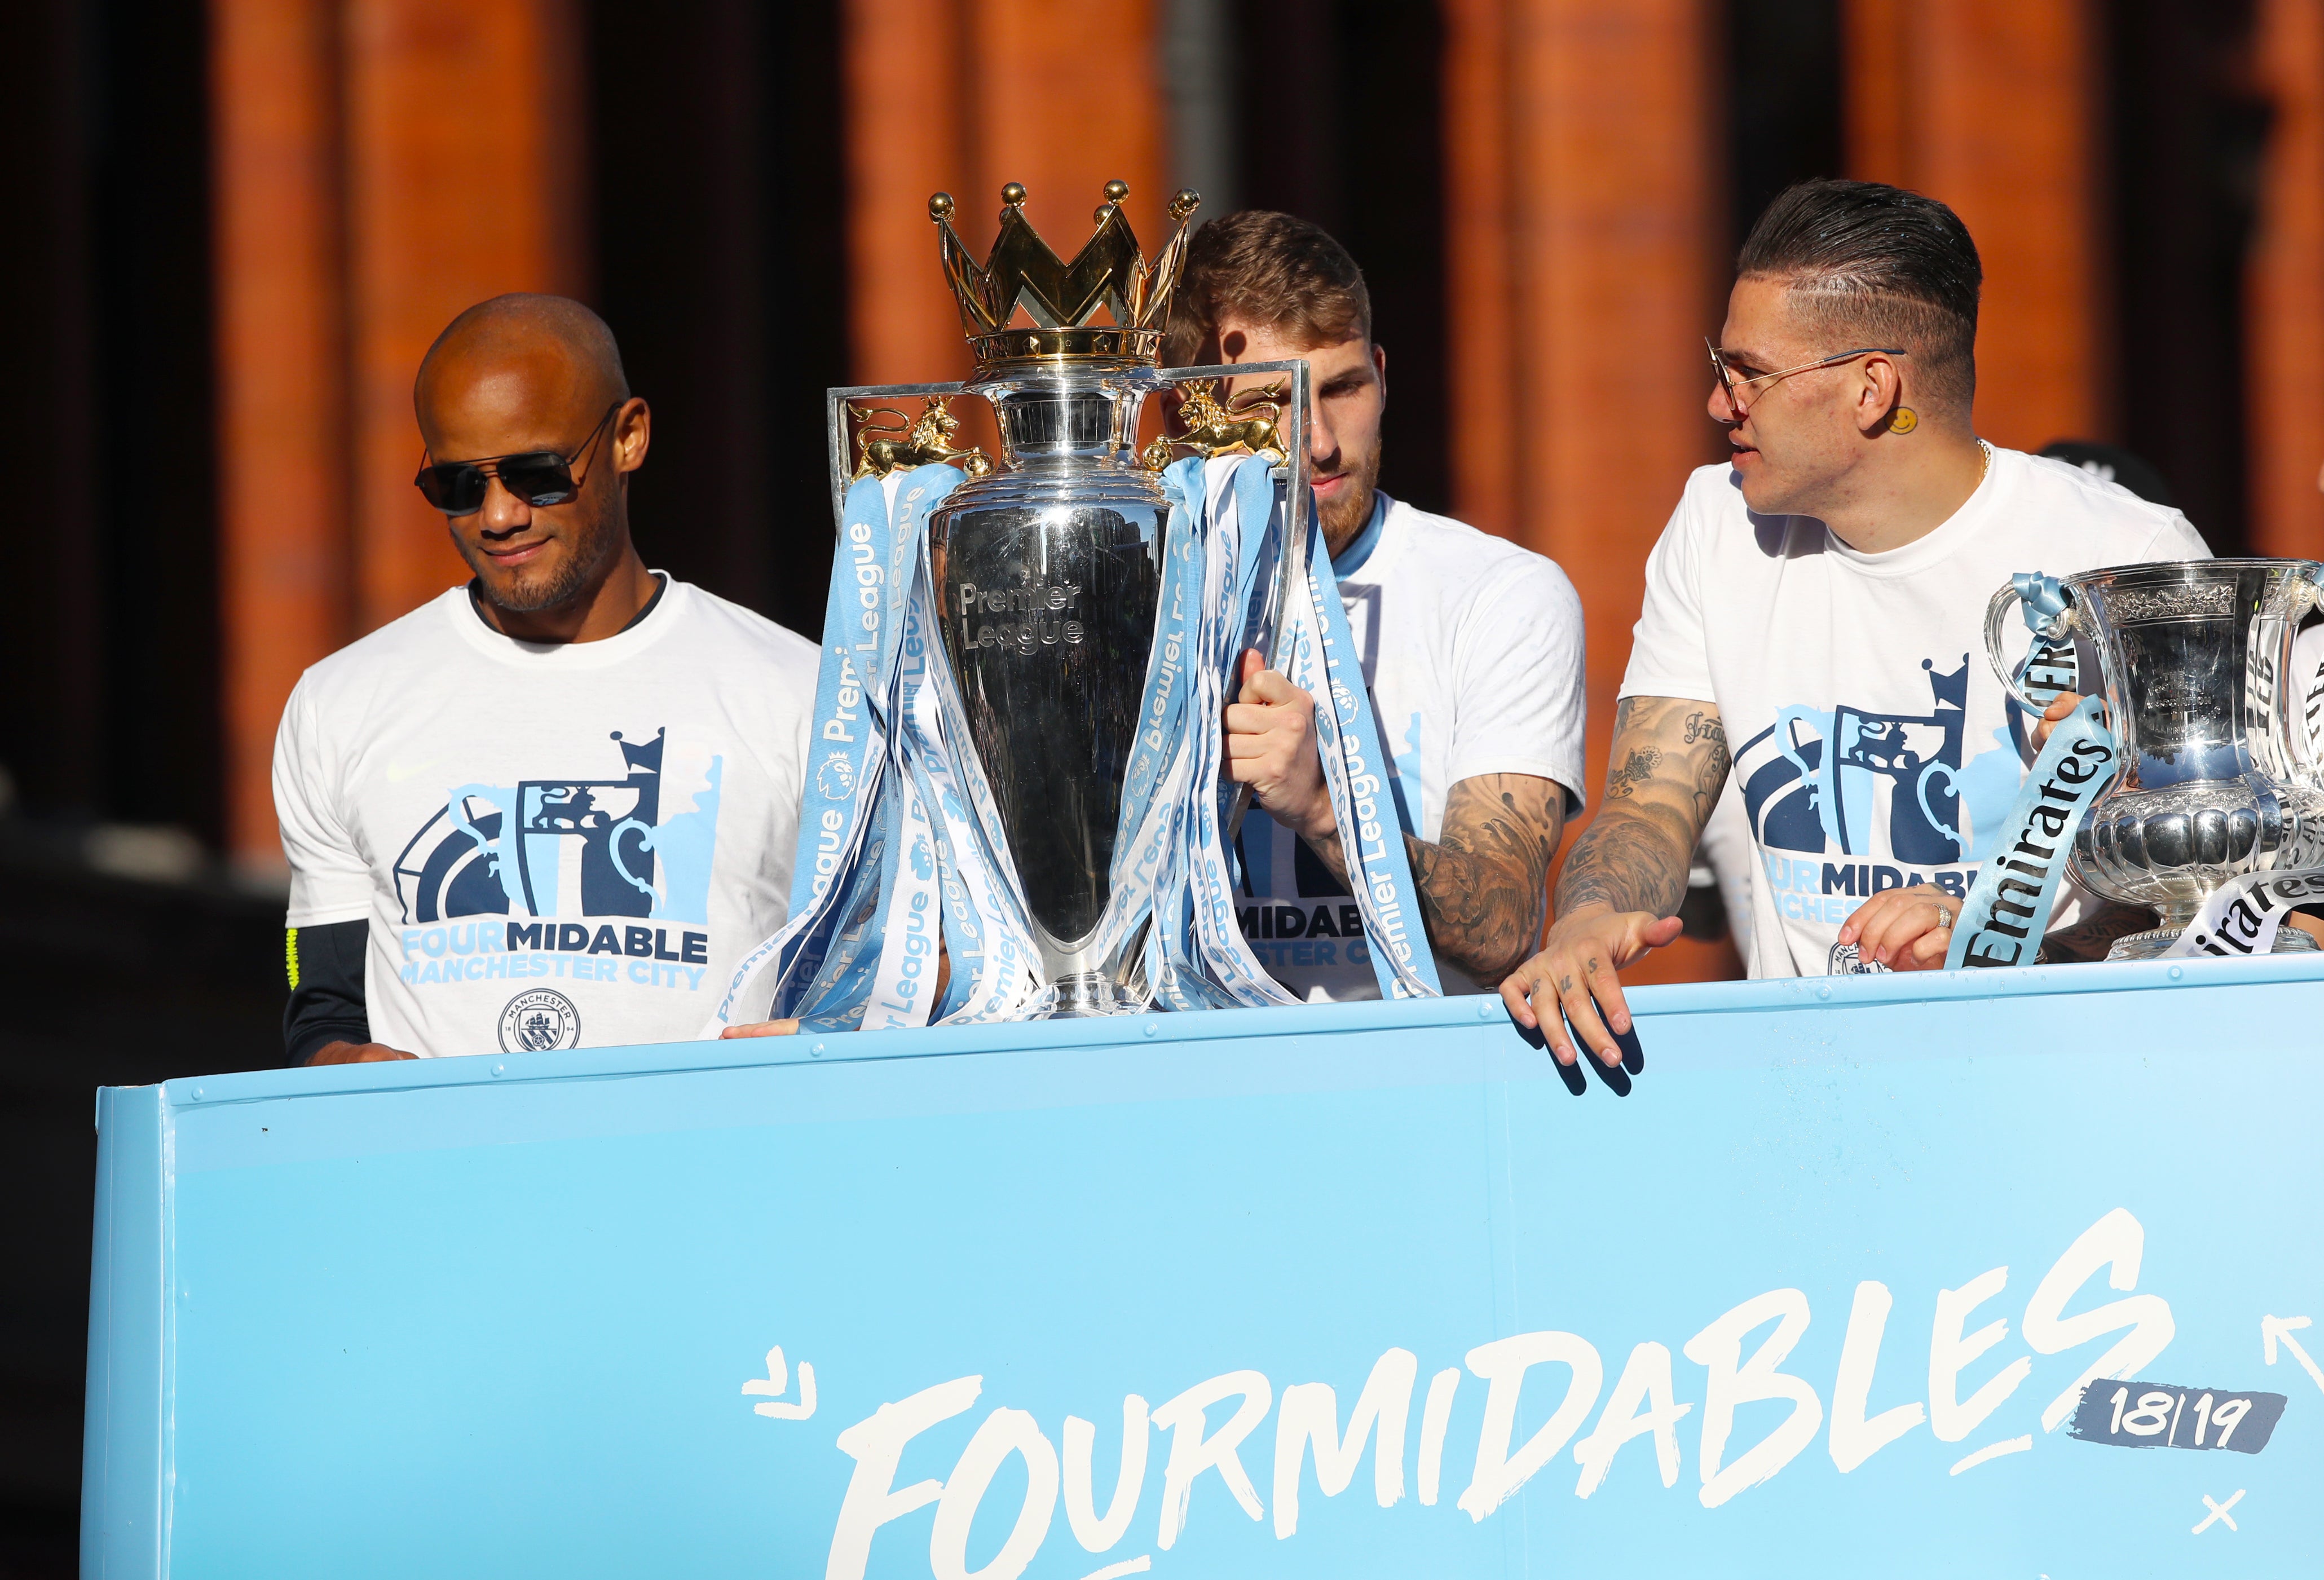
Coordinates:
(1062, 298)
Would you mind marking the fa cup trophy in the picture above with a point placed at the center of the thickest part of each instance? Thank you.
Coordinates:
(2218, 777)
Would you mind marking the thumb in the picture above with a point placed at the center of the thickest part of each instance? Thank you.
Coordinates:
(1253, 666)
(1663, 930)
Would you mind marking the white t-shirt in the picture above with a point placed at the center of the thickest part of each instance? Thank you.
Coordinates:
(1471, 648)
(556, 846)
(1803, 642)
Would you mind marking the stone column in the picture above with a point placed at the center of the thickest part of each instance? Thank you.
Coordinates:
(284, 468)
(1583, 235)
(1990, 107)
(463, 179)
(907, 80)
(2285, 288)
(1061, 95)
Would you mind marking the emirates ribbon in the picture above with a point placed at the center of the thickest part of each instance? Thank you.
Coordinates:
(2007, 910)
(2243, 915)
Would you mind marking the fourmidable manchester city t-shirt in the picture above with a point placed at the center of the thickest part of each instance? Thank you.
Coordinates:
(1472, 651)
(556, 846)
(1874, 746)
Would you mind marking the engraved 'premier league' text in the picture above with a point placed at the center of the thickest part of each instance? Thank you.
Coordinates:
(1039, 616)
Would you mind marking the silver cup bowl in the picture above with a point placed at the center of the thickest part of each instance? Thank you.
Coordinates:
(1048, 572)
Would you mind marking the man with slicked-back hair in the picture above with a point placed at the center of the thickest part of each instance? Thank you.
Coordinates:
(1814, 627)
(550, 808)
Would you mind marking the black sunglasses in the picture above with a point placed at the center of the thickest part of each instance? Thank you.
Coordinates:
(537, 477)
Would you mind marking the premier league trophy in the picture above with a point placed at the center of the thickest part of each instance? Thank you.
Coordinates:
(1047, 572)
(1017, 806)
(2217, 778)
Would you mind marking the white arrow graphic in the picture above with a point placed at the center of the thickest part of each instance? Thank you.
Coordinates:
(775, 1381)
(2274, 1330)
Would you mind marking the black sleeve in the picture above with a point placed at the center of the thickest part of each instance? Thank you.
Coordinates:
(326, 966)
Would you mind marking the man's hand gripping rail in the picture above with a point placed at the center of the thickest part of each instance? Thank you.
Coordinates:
(1619, 894)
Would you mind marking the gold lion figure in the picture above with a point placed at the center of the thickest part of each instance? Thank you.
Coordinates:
(882, 447)
(1212, 427)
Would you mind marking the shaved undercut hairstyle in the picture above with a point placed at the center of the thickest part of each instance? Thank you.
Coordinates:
(1874, 265)
(522, 315)
(1272, 270)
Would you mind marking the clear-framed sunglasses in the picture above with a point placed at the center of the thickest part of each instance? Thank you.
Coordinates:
(1735, 383)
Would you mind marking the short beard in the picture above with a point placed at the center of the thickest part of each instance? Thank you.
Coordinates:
(595, 543)
(1345, 517)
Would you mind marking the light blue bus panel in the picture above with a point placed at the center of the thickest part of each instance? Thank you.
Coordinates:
(1996, 1273)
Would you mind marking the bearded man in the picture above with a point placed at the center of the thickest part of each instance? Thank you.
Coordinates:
(552, 807)
(1471, 649)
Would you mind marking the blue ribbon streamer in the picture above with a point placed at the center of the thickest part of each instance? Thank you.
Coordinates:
(2041, 600)
(2008, 907)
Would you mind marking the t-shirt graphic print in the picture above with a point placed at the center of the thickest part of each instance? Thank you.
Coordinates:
(1847, 802)
(568, 858)
(555, 847)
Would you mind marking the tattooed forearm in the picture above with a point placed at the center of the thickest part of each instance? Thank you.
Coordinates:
(1637, 769)
(1635, 855)
(1484, 884)
(1704, 732)
(1627, 864)
(2090, 941)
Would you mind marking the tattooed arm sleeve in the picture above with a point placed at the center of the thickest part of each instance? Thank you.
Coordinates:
(1668, 766)
(1484, 883)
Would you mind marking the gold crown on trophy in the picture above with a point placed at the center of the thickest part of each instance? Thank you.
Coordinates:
(1060, 298)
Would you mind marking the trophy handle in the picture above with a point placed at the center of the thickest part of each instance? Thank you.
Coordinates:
(2307, 750)
(1997, 612)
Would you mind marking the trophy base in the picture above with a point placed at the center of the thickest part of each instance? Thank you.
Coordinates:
(2148, 946)
(1088, 995)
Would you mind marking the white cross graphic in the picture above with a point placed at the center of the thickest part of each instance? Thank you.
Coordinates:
(2218, 1511)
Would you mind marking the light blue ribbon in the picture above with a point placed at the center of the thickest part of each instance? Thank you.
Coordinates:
(2041, 600)
(1379, 870)
(874, 751)
(2007, 910)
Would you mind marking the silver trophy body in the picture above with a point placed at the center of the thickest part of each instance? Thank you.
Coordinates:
(1048, 576)
(2217, 779)
(1046, 571)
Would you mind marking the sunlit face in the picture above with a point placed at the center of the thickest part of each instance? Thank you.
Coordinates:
(1793, 437)
(530, 557)
(1349, 385)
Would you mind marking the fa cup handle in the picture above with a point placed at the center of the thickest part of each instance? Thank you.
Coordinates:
(2046, 613)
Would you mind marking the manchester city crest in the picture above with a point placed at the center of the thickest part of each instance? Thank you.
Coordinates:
(538, 1019)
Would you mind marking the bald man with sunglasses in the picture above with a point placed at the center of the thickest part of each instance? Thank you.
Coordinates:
(550, 808)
